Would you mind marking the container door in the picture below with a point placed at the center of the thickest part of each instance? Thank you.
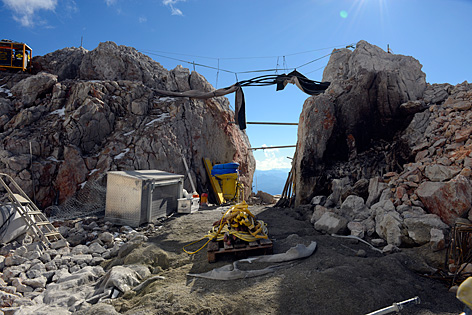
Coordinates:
(164, 198)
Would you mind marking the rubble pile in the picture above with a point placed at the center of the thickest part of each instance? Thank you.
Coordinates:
(99, 265)
(408, 190)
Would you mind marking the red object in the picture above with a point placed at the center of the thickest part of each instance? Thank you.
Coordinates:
(204, 198)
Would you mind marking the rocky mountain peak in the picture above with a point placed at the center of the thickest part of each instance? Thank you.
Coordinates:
(385, 153)
(88, 112)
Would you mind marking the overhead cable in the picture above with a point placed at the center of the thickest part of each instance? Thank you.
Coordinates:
(249, 71)
(191, 62)
(249, 57)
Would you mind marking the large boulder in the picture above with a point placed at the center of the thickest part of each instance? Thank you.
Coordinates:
(354, 208)
(448, 200)
(64, 62)
(368, 86)
(31, 88)
(440, 173)
(388, 222)
(112, 62)
(420, 227)
(331, 223)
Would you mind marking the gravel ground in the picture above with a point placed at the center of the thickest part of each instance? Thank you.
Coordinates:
(334, 280)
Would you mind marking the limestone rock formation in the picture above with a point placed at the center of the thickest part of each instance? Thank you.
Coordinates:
(97, 111)
(380, 122)
(368, 86)
(65, 63)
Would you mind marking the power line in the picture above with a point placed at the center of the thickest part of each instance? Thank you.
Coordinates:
(241, 72)
(307, 63)
(316, 69)
(190, 62)
(249, 57)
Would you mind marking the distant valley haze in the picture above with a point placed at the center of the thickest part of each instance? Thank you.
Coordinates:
(270, 181)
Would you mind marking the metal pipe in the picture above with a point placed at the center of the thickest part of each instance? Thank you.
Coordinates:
(278, 147)
(270, 123)
(189, 175)
(396, 307)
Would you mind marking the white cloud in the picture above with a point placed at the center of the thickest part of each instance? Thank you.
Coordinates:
(170, 4)
(71, 6)
(176, 11)
(272, 160)
(110, 2)
(142, 19)
(24, 10)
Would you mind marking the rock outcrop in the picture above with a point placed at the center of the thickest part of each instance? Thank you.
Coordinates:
(362, 104)
(410, 140)
(92, 112)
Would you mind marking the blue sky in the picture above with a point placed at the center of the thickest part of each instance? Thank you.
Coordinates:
(243, 35)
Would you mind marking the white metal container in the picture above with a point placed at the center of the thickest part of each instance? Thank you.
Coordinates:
(137, 197)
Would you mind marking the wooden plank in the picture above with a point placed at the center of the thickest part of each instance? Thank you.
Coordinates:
(214, 183)
(213, 246)
(264, 241)
(242, 250)
(211, 257)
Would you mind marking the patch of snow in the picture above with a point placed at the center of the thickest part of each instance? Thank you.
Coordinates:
(82, 185)
(5, 90)
(52, 158)
(167, 99)
(93, 171)
(122, 154)
(159, 119)
(61, 112)
(129, 133)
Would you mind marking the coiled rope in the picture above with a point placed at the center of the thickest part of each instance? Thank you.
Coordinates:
(239, 222)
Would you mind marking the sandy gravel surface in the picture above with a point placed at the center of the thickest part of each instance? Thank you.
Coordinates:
(334, 280)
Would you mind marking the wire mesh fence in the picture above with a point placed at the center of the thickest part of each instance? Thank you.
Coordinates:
(88, 201)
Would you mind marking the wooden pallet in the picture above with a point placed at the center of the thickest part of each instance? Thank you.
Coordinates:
(244, 250)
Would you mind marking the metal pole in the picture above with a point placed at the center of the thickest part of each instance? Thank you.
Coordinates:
(278, 147)
(270, 123)
(189, 175)
(32, 176)
(396, 307)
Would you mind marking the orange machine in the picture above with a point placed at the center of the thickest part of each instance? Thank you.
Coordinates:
(14, 55)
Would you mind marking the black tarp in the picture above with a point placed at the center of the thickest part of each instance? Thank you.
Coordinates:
(303, 83)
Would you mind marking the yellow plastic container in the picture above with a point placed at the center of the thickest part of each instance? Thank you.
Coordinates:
(229, 184)
(464, 292)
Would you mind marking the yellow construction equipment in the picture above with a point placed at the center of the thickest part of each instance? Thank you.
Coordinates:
(15, 55)
(225, 182)
(229, 186)
(214, 183)
(237, 222)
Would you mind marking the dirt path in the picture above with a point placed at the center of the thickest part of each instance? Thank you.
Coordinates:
(334, 280)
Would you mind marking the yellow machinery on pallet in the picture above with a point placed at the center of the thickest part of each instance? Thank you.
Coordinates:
(14, 55)
(224, 180)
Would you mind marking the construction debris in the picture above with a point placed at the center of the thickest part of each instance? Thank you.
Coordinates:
(236, 231)
(397, 307)
(21, 215)
(232, 272)
(459, 253)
